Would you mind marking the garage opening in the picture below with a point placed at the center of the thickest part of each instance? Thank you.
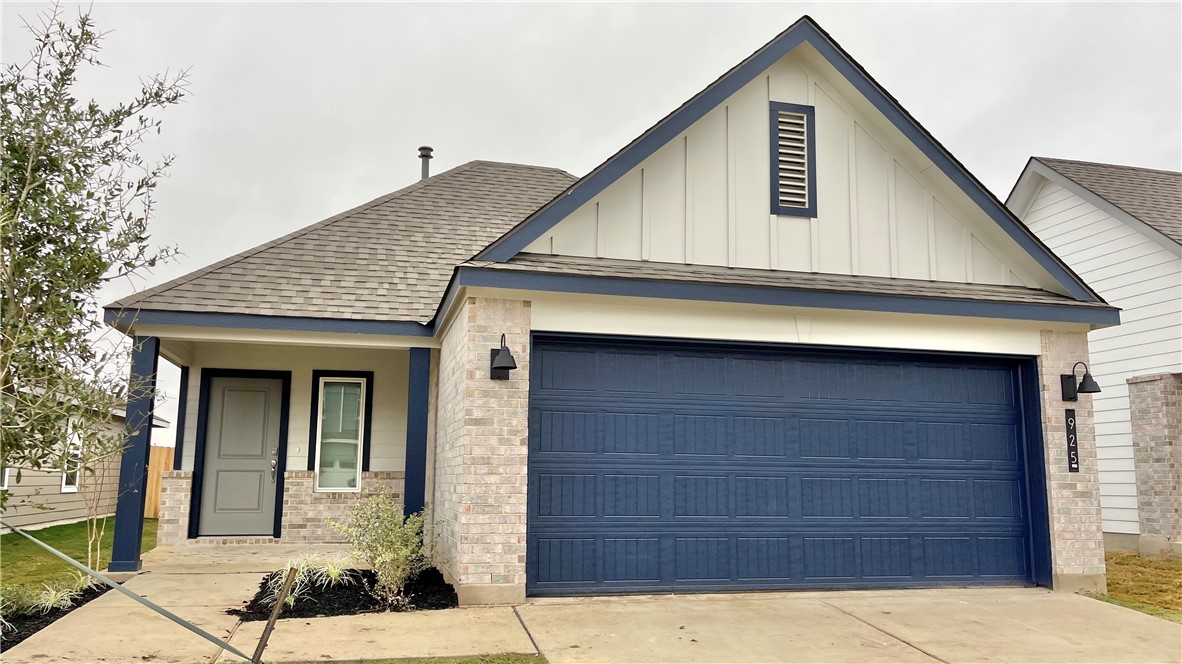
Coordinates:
(663, 466)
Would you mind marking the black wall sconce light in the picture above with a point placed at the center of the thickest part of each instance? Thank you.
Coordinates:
(501, 362)
(1086, 385)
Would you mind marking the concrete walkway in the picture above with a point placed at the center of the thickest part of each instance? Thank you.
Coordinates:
(200, 583)
(951, 626)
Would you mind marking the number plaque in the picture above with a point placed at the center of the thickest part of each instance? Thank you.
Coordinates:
(1072, 443)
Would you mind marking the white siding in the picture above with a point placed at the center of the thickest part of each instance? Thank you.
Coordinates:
(1135, 273)
(390, 367)
(883, 210)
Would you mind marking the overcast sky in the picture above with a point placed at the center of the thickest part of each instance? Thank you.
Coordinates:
(299, 111)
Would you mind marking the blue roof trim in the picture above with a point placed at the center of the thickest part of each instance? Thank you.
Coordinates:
(131, 317)
(804, 30)
(783, 297)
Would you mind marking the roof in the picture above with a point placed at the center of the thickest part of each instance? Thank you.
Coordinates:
(389, 259)
(805, 30)
(1153, 196)
(807, 281)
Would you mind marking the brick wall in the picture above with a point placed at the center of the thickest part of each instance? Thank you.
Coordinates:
(481, 443)
(305, 512)
(1077, 540)
(1156, 411)
(175, 488)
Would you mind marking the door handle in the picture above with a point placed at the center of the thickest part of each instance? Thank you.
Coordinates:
(274, 468)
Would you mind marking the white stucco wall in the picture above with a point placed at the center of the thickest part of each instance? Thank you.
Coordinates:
(592, 314)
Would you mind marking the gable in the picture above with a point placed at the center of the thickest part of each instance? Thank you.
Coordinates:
(1142, 199)
(888, 204)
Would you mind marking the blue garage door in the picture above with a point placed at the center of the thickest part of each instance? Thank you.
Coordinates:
(675, 467)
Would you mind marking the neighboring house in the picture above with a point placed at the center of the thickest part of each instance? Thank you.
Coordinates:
(781, 340)
(1120, 229)
(43, 498)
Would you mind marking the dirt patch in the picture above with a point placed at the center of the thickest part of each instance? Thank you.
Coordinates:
(25, 626)
(1151, 585)
(427, 591)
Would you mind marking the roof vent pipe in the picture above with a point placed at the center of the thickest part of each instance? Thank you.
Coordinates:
(425, 155)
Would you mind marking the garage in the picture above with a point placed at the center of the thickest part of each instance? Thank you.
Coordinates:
(665, 466)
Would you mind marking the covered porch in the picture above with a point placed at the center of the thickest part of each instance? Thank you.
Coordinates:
(277, 432)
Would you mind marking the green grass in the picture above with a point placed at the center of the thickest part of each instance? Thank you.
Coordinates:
(22, 562)
(1149, 585)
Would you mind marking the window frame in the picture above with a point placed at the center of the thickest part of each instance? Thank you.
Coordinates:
(73, 446)
(810, 155)
(319, 377)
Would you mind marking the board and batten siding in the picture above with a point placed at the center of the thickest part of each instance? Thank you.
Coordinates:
(1133, 272)
(704, 198)
(390, 367)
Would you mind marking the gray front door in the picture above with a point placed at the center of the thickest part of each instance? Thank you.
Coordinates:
(241, 455)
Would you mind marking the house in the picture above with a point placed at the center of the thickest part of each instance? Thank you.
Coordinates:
(1120, 229)
(783, 339)
(42, 498)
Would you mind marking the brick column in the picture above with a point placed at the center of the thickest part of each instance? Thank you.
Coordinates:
(1073, 499)
(1155, 407)
(481, 438)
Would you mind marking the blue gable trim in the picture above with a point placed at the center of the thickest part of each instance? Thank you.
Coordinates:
(804, 30)
(680, 290)
(256, 322)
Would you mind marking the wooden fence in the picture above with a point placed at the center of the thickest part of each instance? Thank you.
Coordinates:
(159, 462)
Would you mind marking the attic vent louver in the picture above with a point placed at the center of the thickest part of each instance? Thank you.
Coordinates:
(792, 156)
(793, 167)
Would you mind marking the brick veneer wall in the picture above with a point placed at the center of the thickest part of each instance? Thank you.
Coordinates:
(1155, 404)
(305, 512)
(175, 488)
(1077, 539)
(481, 437)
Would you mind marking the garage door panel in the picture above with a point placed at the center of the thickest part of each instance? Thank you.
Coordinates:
(722, 469)
(640, 491)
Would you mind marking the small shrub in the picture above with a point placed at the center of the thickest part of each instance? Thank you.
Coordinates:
(55, 597)
(312, 572)
(335, 572)
(391, 543)
(18, 600)
(80, 582)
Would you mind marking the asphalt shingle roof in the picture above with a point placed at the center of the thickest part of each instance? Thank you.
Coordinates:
(389, 259)
(811, 281)
(1154, 197)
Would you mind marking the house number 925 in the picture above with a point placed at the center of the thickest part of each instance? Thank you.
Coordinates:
(1072, 443)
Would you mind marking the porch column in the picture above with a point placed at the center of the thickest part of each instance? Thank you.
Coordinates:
(417, 405)
(133, 467)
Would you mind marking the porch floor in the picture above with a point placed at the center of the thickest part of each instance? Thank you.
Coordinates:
(232, 558)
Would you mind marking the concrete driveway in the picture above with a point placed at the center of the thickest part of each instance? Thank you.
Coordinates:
(978, 625)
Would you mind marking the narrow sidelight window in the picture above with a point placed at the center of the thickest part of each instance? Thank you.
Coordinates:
(72, 463)
(793, 160)
(340, 434)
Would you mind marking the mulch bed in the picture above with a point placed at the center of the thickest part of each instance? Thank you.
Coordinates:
(427, 591)
(26, 626)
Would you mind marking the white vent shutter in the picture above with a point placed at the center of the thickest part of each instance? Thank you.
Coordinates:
(792, 159)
